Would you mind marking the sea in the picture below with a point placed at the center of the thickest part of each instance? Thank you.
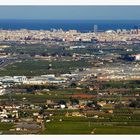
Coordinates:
(80, 25)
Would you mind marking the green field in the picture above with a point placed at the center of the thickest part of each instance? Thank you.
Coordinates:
(6, 126)
(55, 94)
(40, 67)
(65, 127)
(116, 124)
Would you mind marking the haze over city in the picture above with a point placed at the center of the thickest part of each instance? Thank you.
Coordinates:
(71, 12)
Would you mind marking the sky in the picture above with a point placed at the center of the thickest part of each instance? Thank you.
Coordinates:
(71, 12)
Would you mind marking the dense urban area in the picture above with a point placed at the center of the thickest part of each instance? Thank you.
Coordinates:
(70, 82)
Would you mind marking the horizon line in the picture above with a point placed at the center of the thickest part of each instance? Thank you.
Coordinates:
(77, 19)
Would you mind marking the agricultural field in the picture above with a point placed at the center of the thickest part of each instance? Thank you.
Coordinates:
(121, 122)
(82, 127)
(6, 126)
(40, 67)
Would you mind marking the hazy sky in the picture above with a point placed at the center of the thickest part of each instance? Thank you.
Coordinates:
(70, 12)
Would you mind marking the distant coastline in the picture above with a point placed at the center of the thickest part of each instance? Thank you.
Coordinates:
(80, 25)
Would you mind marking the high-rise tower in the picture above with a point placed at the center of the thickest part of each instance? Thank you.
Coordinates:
(95, 28)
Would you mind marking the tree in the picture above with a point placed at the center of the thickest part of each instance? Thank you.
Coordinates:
(41, 111)
(62, 102)
(135, 104)
(1, 109)
(74, 101)
(9, 116)
(90, 104)
(73, 85)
